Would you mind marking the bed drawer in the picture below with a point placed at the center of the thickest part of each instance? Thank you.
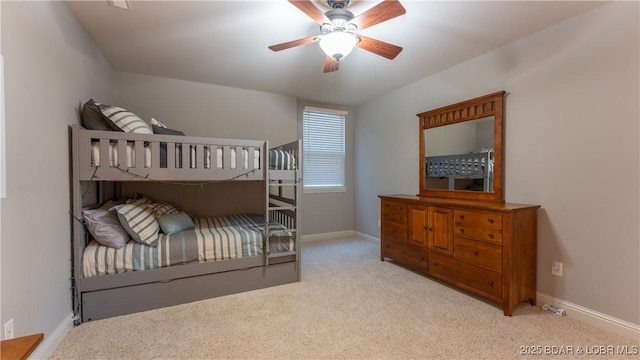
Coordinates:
(473, 219)
(410, 256)
(470, 277)
(478, 253)
(130, 299)
(394, 211)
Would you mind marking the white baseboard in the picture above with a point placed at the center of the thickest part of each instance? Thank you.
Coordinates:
(51, 342)
(367, 237)
(328, 236)
(603, 321)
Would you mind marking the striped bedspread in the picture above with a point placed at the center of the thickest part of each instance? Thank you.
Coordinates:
(212, 239)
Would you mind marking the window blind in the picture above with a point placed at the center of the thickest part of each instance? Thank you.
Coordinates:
(323, 148)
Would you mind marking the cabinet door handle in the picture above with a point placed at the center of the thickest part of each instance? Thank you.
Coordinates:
(421, 258)
(491, 235)
(461, 229)
(475, 252)
(462, 216)
(490, 220)
(490, 282)
(430, 228)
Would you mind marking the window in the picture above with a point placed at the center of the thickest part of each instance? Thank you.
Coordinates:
(323, 149)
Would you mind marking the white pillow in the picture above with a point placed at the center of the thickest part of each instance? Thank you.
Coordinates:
(105, 227)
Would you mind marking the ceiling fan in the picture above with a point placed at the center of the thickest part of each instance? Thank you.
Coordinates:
(339, 30)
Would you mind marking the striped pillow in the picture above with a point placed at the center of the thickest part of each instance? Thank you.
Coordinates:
(125, 120)
(162, 208)
(139, 222)
(281, 160)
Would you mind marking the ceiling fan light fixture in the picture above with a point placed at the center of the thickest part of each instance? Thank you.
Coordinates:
(338, 44)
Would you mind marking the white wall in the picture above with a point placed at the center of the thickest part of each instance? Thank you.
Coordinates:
(331, 212)
(51, 67)
(201, 109)
(219, 111)
(572, 129)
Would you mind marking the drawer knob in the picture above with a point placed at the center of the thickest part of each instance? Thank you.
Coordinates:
(491, 235)
(462, 216)
(435, 263)
(430, 228)
(394, 230)
(401, 218)
(490, 282)
(475, 252)
(421, 258)
(490, 220)
(386, 246)
(461, 229)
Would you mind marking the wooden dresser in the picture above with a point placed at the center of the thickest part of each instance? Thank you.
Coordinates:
(485, 248)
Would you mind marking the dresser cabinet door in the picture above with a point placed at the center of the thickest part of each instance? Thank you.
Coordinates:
(440, 234)
(419, 222)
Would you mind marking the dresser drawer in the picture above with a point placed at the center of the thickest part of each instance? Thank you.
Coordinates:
(477, 219)
(394, 211)
(407, 255)
(478, 253)
(394, 231)
(489, 234)
(469, 277)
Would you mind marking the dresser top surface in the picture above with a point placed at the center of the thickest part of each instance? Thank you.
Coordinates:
(479, 205)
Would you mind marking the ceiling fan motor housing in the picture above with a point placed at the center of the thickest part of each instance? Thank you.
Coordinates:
(338, 4)
(339, 21)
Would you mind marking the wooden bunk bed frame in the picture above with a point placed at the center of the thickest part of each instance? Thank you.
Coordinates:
(106, 296)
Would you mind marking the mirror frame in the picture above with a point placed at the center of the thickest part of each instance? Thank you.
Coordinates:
(477, 108)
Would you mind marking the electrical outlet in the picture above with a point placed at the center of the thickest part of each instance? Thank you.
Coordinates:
(8, 330)
(556, 268)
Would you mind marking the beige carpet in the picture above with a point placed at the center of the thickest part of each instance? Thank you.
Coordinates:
(349, 305)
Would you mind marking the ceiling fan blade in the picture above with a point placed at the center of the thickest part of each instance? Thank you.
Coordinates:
(311, 10)
(294, 43)
(378, 47)
(331, 64)
(384, 11)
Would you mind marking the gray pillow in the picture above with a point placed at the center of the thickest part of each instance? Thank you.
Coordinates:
(93, 119)
(105, 227)
(173, 223)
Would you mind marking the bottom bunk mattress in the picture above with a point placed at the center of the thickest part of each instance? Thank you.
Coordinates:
(212, 239)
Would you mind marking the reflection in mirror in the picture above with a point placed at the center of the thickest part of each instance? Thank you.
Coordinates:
(460, 156)
(464, 145)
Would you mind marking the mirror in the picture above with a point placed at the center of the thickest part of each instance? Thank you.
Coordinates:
(461, 150)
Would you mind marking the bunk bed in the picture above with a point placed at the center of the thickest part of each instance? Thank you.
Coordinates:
(473, 165)
(214, 254)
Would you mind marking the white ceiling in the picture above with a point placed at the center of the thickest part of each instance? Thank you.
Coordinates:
(226, 42)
